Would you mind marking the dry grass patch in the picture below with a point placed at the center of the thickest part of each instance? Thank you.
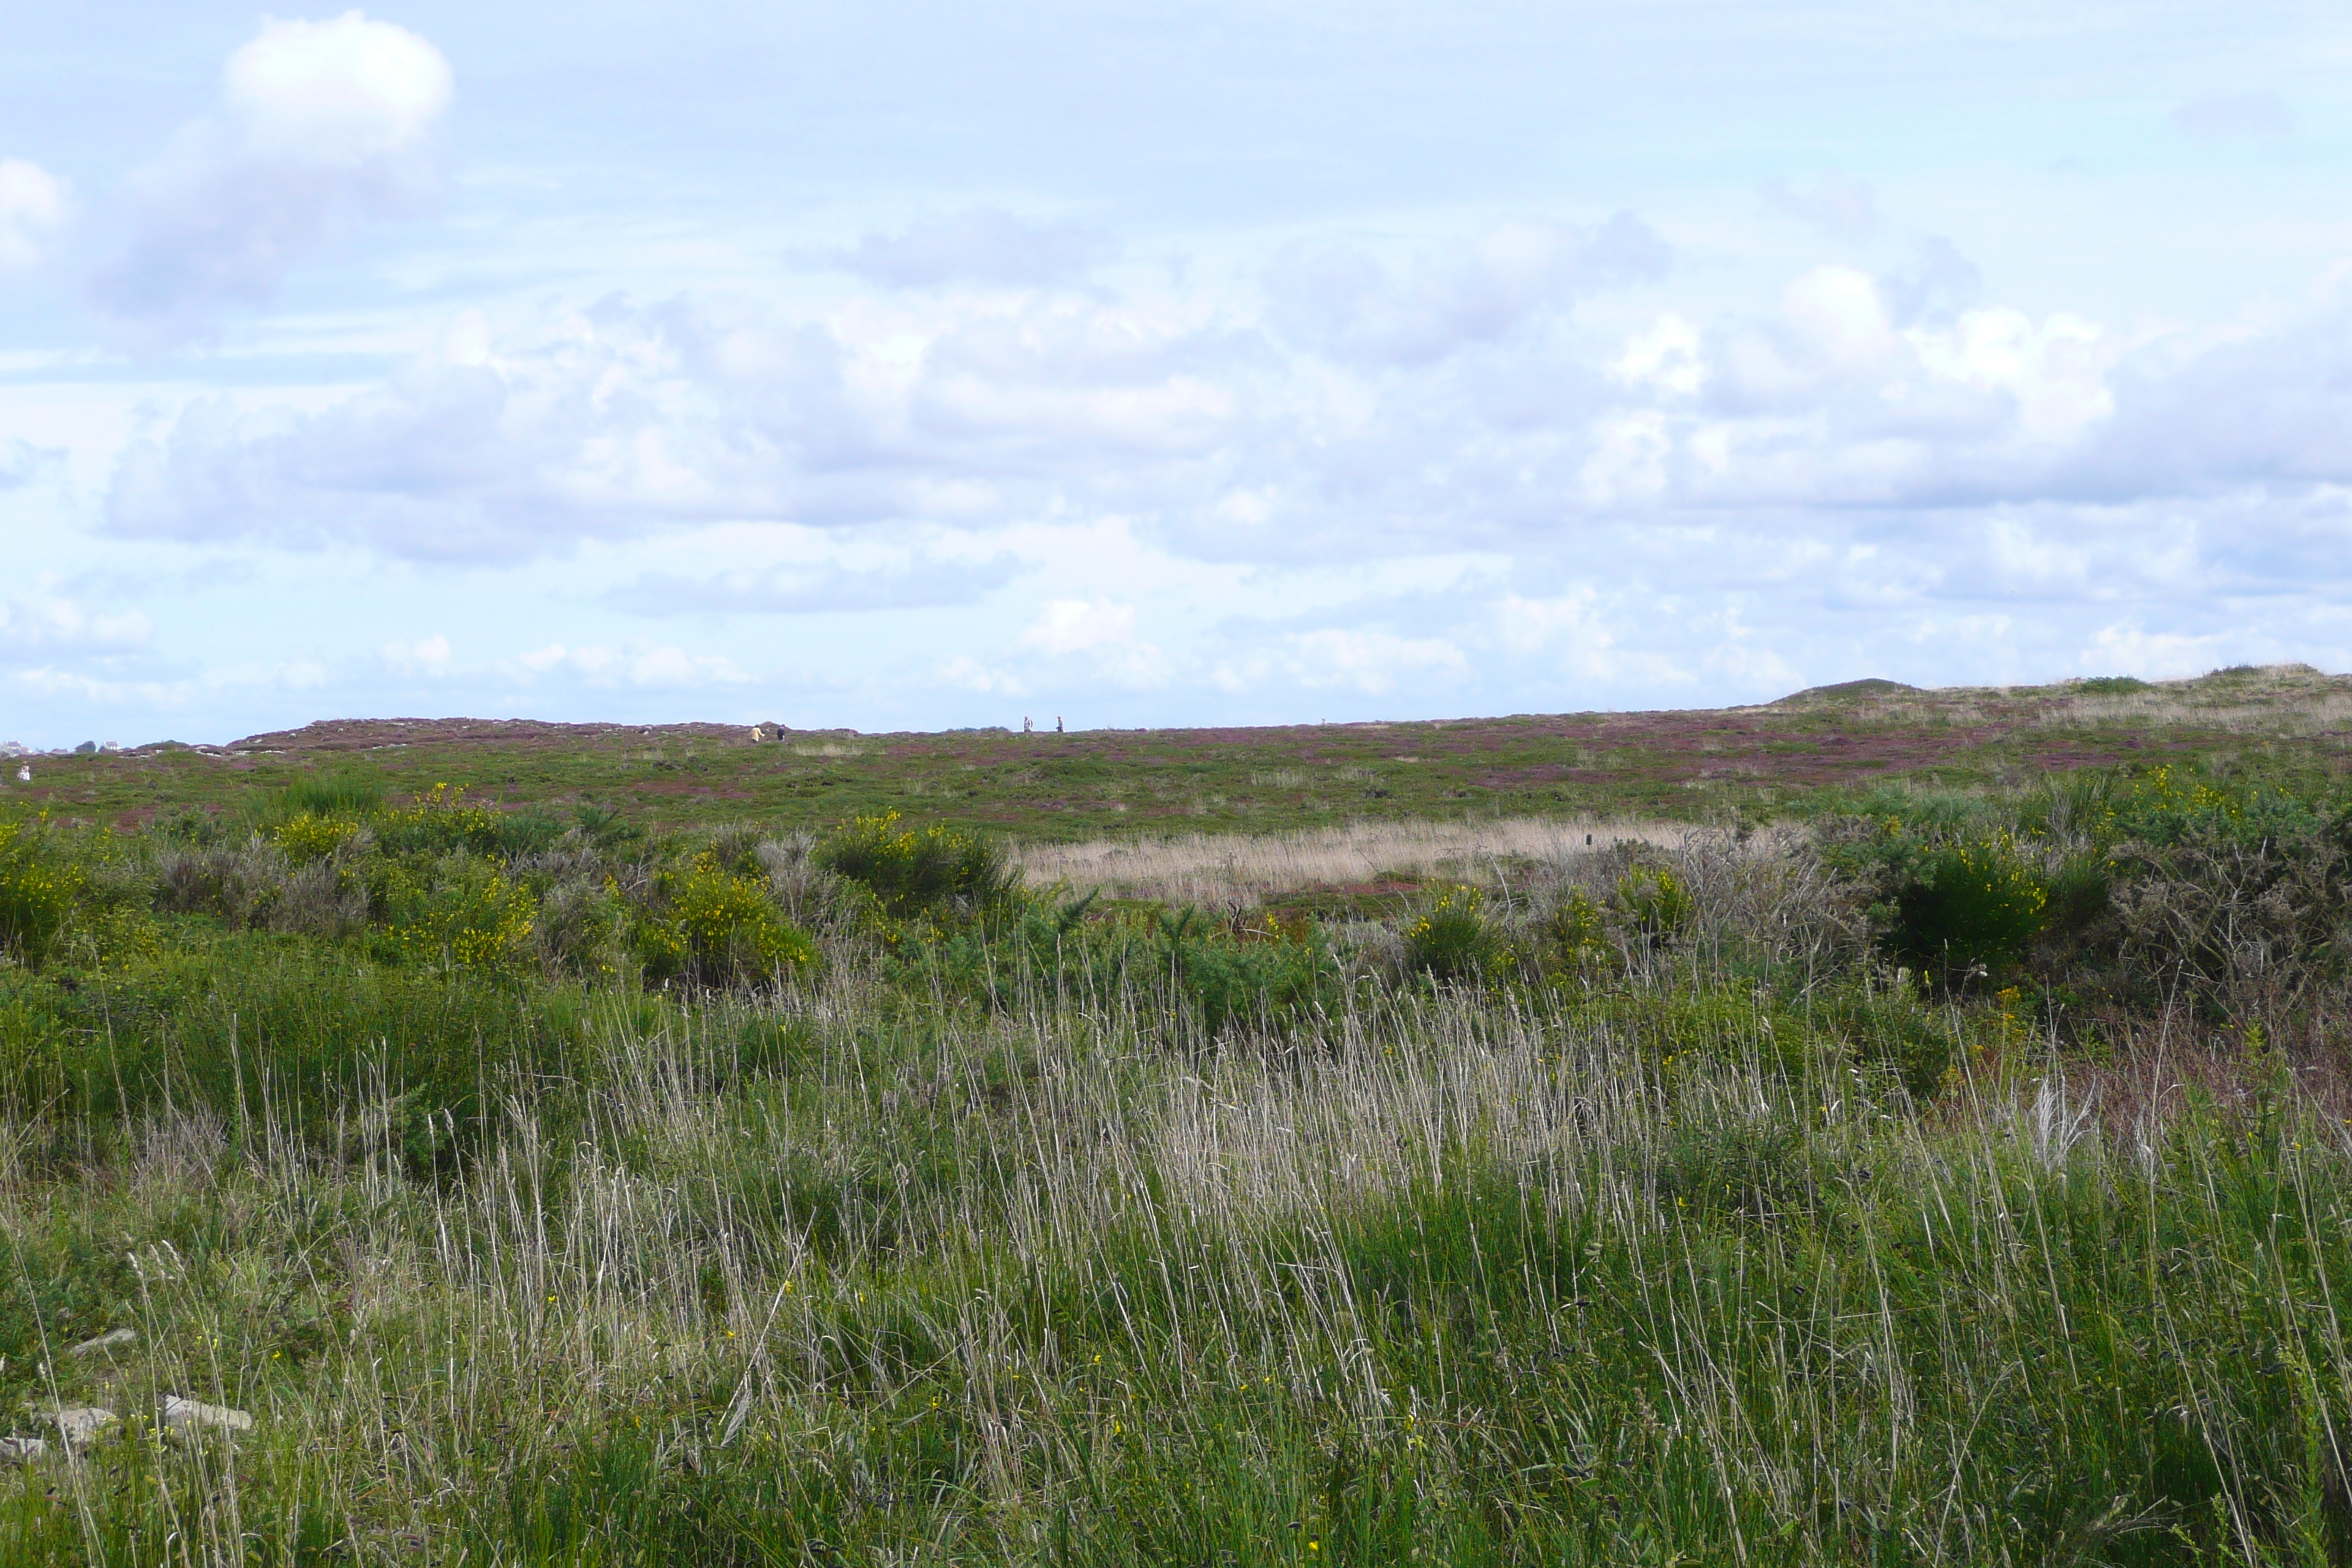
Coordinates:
(1228, 869)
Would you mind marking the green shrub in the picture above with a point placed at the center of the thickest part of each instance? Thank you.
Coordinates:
(1967, 904)
(462, 911)
(1892, 1031)
(1655, 903)
(1573, 936)
(40, 886)
(1452, 939)
(307, 836)
(440, 819)
(2112, 685)
(910, 870)
(1271, 977)
(2166, 805)
(719, 927)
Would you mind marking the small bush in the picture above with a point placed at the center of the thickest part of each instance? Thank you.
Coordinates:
(1654, 904)
(720, 929)
(463, 912)
(2112, 685)
(307, 836)
(1573, 936)
(1967, 904)
(580, 926)
(41, 887)
(1452, 939)
(438, 820)
(1271, 975)
(910, 870)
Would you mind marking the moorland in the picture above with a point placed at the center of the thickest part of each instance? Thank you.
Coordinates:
(1883, 1125)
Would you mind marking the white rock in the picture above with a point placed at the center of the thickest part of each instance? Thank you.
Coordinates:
(23, 1450)
(186, 1417)
(105, 1342)
(79, 1425)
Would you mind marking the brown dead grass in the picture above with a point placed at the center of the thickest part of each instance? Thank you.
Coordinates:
(1225, 870)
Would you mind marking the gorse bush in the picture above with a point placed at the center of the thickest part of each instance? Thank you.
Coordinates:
(910, 870)
(41, 889)
(1272, 976)
(440, 819)
(1452, 939)
(1573, 935)
(1654, 904)
(721, 928)
(309, 836)
(1967, 905)
(460, 910)
(2169, 805)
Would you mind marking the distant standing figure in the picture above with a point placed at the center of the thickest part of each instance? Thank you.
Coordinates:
(1057, 723)
(1026, 727)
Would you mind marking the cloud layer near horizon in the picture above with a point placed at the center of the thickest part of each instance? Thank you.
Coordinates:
(881, 467)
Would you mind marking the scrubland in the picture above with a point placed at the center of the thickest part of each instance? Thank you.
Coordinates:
(1960, 1178)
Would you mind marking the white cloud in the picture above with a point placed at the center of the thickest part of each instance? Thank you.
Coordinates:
(1838, 314)
(1345, 304)
(427, 655)
(46, 620)
(21, 463)
(1073, 625)
(315, 119)
(1668, 357)
(966, 673)
(1373, 661)
(2127, 650)
(33, 207)
(2055, 371)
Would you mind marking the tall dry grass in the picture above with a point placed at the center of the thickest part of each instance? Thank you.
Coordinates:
(1610, 1278)
(1229, 870)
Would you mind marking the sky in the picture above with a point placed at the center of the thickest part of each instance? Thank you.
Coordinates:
(899, 366)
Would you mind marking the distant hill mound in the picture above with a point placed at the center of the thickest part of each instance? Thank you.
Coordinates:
(1849, 690)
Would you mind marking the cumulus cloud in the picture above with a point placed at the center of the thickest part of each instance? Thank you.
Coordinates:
(33, 209)
(1346, 302)
(1862, 402)
(50, 622)
(979, 245)
(621, 419)
(1074, 626)
(315, 120)
(1370, 661)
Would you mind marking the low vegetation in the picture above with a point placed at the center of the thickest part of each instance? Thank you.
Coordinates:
(1961, 1177)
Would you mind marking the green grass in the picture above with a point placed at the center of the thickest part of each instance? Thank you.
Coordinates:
(1793, 757)
(1455, 1288)
(1646, 1208)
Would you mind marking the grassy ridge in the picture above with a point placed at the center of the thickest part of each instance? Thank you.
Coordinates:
(1736, 763)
